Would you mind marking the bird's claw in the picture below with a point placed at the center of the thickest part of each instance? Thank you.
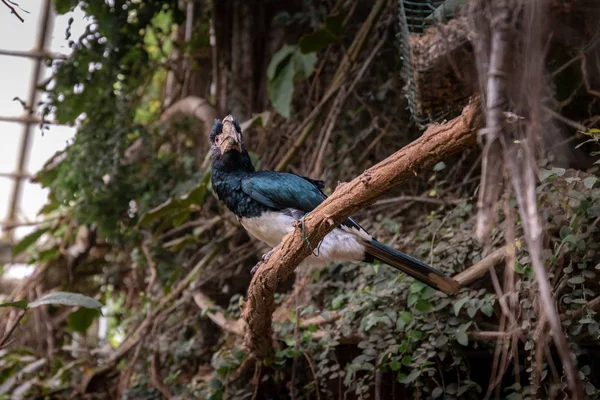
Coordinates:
(263, 260)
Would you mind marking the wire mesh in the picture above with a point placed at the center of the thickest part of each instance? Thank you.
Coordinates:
(432, 40)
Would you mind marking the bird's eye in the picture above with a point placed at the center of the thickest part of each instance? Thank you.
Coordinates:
(217, 139)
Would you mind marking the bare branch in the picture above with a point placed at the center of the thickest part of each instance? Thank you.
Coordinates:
(13, 11)
(437, 142)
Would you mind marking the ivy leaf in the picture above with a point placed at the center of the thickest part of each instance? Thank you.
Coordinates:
(546, 173)
(459, 304)
(406, 379)
(28, 240)
(424, 306)
(22, 304)
(441, 341)
(338, 301)
(177, 208)
(82, 319)
(461, 334)
(395, 365)
(590, 181)
(576, 280)
(487, 309)
(67, 299)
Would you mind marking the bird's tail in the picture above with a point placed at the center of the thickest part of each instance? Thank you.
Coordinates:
(411, 266)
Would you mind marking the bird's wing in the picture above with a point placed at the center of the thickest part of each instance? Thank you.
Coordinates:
(282, 190)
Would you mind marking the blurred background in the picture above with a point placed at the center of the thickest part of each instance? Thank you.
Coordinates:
(105, 112)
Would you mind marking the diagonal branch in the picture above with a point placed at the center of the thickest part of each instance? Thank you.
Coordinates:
(438, 142)
(13, 11)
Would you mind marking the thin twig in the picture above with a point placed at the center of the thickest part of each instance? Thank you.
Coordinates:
(13, 11)
(151, 265)
(314, 374)
(155, 379)
(11, 329)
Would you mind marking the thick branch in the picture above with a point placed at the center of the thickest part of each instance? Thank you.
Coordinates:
(438, 142)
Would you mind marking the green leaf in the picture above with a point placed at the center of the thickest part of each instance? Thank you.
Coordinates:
(315, 41)
(487, 309)
(278, 58)
(459, 304)
(261, 120)
(576, 280)
(281, 88)
(406, 379)
(338, 301)
(564, 232)
(395, 365)
(424, 306)
(461, 334)
(28, 240)
(19, 304)
(67, 299)
(335, 24)
(64, 6)
(82, 319)
(439, 166)
(441, 341)
(177, 208)
(417, 286)
(547, 173)
(304, 64)
(437, 392)
(590, 181)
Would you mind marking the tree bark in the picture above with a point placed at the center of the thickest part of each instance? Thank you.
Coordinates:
(438, 142)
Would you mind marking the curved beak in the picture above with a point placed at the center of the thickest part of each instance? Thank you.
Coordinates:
(231, 139)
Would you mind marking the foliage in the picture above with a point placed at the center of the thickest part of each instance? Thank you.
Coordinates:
(128, 233)
(287, 64)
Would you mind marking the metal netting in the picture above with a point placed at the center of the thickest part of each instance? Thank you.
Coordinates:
(437, 60)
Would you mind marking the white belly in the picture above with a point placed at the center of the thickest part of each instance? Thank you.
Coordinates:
(338, 245)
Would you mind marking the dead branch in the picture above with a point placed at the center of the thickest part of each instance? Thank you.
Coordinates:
(437, 142)
(152, 265)
(480, 268)
(216, 315)
(593, 305)
(498, 45)
(305, 129)
(194, 107)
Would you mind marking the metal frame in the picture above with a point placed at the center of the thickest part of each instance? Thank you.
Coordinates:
(29, 119)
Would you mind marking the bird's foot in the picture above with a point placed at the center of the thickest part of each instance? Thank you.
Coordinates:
(263, 260)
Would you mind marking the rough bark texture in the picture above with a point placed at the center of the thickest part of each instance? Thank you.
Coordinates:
(438, 142)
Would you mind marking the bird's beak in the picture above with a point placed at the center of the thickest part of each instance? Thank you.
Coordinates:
(231, 139)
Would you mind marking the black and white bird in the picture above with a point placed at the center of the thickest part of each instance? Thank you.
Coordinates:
(268, 203)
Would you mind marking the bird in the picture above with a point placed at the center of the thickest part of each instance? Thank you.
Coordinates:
(269, 203)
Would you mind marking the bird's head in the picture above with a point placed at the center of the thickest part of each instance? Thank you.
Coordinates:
(226, 136)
